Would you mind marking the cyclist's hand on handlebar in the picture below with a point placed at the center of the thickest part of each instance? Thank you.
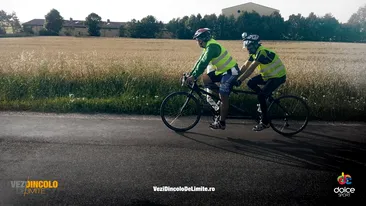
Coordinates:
(183, 79)
(190, 80)
(237, 83)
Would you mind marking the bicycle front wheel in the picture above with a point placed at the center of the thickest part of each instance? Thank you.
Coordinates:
(180, 111)
(288, 115)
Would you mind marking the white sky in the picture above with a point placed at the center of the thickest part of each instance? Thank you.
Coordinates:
(165, 10)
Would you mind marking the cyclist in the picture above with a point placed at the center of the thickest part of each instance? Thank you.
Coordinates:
(272, 73)
(226, 71)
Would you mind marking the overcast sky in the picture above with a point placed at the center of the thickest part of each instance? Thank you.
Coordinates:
(165, 10)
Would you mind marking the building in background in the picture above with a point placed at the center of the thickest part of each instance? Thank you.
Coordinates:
(35, 25)
(77, 28)
(249, 7)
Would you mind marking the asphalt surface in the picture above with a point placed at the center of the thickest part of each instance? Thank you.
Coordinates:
(117, 160)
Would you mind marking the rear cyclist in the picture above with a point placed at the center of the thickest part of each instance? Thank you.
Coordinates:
(272, 73)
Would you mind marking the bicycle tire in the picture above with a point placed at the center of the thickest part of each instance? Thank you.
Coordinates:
(278, 102)
(197, 110)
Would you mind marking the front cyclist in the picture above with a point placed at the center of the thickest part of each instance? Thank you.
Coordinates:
(226, 71)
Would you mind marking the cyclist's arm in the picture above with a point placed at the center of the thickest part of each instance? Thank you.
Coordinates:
(212, 51)
(195, 65)
(245, 66)
(252, 63)
(249, 71)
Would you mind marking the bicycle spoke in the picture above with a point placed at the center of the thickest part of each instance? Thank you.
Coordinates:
(184, 105)
(180, 111)
(282, 128)
(179, 118)
(295, 107)
(172, 122)
(289, 115)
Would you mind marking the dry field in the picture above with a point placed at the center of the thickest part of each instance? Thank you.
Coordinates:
(46, 70)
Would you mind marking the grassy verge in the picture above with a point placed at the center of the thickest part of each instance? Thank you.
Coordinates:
(134, 92)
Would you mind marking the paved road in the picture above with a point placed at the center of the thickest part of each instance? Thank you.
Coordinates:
(105, 160)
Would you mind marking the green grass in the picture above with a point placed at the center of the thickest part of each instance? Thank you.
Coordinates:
(142, 93)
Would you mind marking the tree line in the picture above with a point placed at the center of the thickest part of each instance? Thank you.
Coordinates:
(9, 21)
(273, 27)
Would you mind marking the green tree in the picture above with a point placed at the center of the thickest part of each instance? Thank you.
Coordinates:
(192, 24)
(221, 22)
(173, 26)
(15, 24)
(2, 31)
(296, 27)
(210, 21)
(54, 22)
(233, 32)
(359, 17)
(226, 28)
(184, 32)
(250, 22)
(4, 21)
(133, 28)
(178, 27)
(348, 33)
(358, 20)
(313, 24)
(93, 21)
(273, 27)
(149, 27)
(201, 22)
(328, 28)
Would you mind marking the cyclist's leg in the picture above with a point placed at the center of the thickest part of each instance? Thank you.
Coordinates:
(269, 87)
(210, 80)
(227, 81)
(254, 82)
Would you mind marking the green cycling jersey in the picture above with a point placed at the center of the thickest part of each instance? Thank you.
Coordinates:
(212, 51)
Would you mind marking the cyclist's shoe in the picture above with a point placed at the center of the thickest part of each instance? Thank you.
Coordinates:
(216, 115)
(260, 127)
(216, 118)
(217, 125)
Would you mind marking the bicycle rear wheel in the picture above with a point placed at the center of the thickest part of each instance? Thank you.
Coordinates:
(180, 111)
(288, 115)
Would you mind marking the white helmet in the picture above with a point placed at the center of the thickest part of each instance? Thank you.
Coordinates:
(251, 39)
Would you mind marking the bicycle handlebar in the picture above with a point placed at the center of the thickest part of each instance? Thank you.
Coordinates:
(184, 78)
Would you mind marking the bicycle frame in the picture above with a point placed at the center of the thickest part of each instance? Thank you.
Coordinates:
(195, 88)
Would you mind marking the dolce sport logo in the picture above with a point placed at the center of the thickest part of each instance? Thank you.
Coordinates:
(344, 191)
(344, 179)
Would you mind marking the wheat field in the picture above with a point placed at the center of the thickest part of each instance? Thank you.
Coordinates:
(67, 74)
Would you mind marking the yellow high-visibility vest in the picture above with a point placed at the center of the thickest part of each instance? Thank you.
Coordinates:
(275, 69)
(224, 61)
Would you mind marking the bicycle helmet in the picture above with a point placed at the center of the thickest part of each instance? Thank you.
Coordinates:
(203, 34)
(252, 39)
